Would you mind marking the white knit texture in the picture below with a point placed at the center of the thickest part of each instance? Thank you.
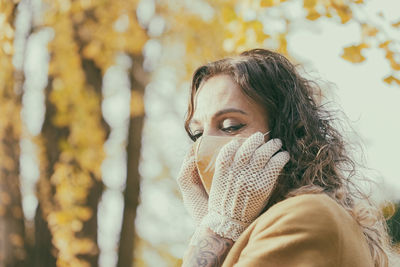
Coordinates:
(195, 198)
(244, 178)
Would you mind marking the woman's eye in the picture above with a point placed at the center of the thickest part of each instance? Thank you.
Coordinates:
(197, 135)
(232, 128)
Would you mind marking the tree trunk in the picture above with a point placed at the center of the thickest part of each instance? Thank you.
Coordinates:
(12, 228)
(43, 252)
(131, 193)
(12, 231)
(94, 78)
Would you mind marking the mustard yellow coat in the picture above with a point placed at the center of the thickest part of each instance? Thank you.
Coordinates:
(302, 231)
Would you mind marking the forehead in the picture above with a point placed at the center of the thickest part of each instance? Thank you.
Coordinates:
(219, 92)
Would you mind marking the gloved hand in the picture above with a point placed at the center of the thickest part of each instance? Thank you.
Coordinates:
(244, 178)
(195, 198)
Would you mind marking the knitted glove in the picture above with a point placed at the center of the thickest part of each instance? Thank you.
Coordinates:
(195, 198)
(244, 178)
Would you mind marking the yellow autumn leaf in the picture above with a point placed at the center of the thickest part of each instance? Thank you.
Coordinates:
(282, 44)
(385, 44)
(83, 213)
(137, 104)
(309, 4)
(267, 3)
(228, 13)
(394, 64)
(343, 11)
(256, 25)
(396, 25)
(353, 53)
(391, 56)
(76, 225)
(391, 79)
(137, 38)
(83, 246)
(92, 50)
(313, 15)
(258, 28)
(241, 41)
(60, 218)
(388, 209)
(368, 30)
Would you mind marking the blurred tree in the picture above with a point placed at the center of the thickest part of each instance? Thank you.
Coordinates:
(12, 232)
(131, 194)
(72, 136)
(74, 132)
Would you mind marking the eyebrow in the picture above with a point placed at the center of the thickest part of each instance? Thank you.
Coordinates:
(222, 112)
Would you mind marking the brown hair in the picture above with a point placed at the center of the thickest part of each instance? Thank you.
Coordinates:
(318, 158)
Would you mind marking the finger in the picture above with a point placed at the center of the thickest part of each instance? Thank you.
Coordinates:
(186, 170)
(194, 195)
(246, 150)
(188, 173)
(265, 152)
(275, 166)
(191, 152)
(195, 201)
(227, 154)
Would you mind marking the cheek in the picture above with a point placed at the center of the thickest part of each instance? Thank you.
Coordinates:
(257, 127)
(259, 124)
(259, 121)
(254, 126)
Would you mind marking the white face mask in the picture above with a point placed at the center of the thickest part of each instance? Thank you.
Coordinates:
(206, 151)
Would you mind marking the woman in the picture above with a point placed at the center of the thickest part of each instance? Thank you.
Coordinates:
(281, 193)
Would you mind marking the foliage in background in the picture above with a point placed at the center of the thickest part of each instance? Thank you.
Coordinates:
(392, 213)
(12, 232)
(238, 25)
(87, 39)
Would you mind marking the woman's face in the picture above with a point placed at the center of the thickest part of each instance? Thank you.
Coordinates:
(222, 109)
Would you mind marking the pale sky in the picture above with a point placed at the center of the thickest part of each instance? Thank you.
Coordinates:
(371, 105)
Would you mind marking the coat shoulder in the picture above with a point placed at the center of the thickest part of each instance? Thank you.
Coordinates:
(305, 230)
(318, 212)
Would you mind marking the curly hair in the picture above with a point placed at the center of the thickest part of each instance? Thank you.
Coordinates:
(319, 161)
